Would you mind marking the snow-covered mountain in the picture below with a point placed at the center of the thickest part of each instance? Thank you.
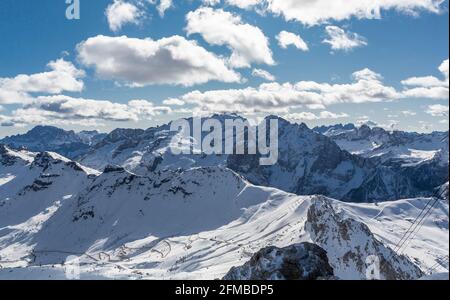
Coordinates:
(344, 162)
(312, 163)
(130, 208)
(413, 162)
(140, 151)
(407, 148)
(30, 183)
(49, 138)
(195, 223)
(309, 163)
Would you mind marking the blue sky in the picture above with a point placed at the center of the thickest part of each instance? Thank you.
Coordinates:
(402, 43)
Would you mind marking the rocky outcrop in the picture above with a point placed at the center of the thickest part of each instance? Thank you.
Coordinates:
(304, 261)
(352, 246)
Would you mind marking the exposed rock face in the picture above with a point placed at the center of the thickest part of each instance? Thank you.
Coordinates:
(442, 191)
(408, 164)
(303, 261)
(309, 163)
(13, 158)
(6, 159)
(396, 165)
(350, 243)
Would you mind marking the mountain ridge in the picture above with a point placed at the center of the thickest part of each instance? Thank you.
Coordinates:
(331, 163)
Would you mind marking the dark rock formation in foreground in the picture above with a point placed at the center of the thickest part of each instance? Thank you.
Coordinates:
(304, 261)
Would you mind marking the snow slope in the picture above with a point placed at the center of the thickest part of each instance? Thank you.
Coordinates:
(37, 185)
(197, 224)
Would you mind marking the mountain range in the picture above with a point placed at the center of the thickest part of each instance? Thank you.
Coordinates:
(129, 208)
(349, 163)
(50, 138)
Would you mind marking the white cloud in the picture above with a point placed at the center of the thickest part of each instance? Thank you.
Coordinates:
(367, 74)
(444, 68)
(163, 6)
(286, 39)
(338, 39)
(437, 110)
(173, 101)
(211, 2)
(408, 113)
(218, 27)
(428, 86)
(365, 120)
(263, 74)
(140, 62)
(309, 116)
(245, 4)
(120, 13)
(314, 12)
(62, 76)
(426, 81)
(60, 109)
(282, 98)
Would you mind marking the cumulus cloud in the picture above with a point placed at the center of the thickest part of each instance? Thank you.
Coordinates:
(437, 110)
(173, 102)
(339, 39)
(286, 39)
(140, 62)
(314, 12)
(428, 86)
(247, 43)
(263, 74)
(120, 13)
(62, 76)
(444, 69)
(245, 4)
(60, 109)
(274, 97)
(163, 6)
(309, 116)
(210, 2)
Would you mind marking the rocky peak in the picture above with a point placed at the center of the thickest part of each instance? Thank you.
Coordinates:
(113, 169)
(351, 243)
(126, 134)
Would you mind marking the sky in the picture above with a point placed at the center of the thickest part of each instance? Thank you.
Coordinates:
(140, 63)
